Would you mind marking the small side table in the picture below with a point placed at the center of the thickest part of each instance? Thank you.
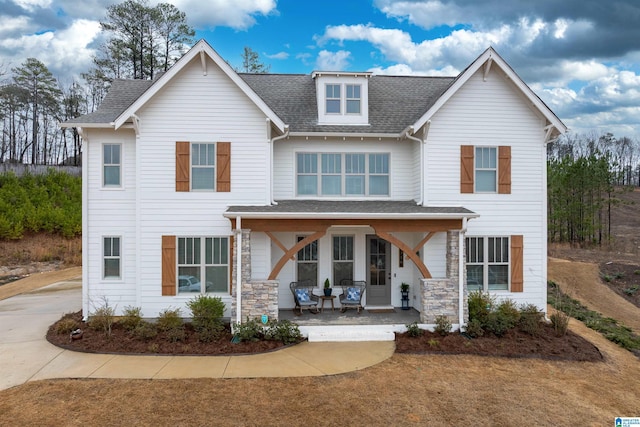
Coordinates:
(327, 298)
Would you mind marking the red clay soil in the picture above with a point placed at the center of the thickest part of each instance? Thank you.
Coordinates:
(515, 343)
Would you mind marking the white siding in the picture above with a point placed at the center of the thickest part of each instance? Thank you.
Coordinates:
(493, 113)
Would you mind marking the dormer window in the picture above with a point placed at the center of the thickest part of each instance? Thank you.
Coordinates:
(353, 99)
(333, 99)
(342, 98)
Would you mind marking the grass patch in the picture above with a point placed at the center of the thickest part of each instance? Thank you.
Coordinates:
(610, 328)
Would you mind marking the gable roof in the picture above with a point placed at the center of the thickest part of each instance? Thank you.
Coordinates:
(487, 59)
(395, 102)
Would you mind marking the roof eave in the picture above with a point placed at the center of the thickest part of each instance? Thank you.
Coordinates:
(345, 134)
(347, 215)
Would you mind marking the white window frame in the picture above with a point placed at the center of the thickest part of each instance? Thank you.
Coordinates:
(353, 98)
(194, 167)
(333, 98)
(111, 165)
(343, 257)
(305, 256)
(501, 251)
(484, 167)
(217, 260)
(319, 174)
(109, 255)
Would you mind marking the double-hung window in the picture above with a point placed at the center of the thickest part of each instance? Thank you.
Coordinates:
(203, 167)
(332, 99)
(111, 165)
(353, 99)
(486, 169)
(111, 257)
(342, 174)
(307, 262)
(487, 263)
(342, 259)
(203, 264)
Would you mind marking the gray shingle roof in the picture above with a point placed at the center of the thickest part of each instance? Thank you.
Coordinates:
(121, 95)
(319, 208)
(395, 102)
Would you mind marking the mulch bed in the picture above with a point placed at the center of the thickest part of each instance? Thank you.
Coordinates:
(515, 343)
(122, 342)
(623, 279)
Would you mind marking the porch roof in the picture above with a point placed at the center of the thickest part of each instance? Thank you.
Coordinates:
(349, 209)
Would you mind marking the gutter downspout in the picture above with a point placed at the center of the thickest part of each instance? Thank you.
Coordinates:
(461, 272)
(238, 269)
(421, 144)
(271, 142)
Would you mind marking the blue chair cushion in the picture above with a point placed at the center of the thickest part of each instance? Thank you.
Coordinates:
(353, 294)
(302, 295)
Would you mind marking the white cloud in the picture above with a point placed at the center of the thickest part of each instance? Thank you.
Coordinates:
(10, 25)
(31, 5)
(279, 55)
(333, 61)
(237, 14)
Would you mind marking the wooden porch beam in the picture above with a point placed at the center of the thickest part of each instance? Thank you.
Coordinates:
(278, 243)
(311, 225)
(407, 250)
(423, 242)
(291, 252)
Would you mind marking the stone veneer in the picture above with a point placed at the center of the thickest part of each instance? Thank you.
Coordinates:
(440, 295)
(258, 296)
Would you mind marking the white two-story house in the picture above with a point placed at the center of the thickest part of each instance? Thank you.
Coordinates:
(209, 181)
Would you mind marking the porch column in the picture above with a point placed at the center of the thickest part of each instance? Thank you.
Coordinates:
(259, 297)
(453, 254)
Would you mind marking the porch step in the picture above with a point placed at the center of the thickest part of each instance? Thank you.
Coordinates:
(348, 333)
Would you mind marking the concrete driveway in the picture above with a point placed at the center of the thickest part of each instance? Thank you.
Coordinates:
(24, 320)
(26, 355)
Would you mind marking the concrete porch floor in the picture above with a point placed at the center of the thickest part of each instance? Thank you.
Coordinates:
(351, 317)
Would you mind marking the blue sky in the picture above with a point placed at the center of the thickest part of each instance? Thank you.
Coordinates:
(582, 57)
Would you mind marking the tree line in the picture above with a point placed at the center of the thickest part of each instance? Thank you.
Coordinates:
(585, 174)
(142, 41)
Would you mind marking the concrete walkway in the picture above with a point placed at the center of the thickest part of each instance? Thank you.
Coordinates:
(25, 354)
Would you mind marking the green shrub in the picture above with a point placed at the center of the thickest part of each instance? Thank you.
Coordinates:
(509, 309)
(433, 342)
(530, 319)
(131, 318)
(474, 328)
(207, 312)
(145, 331)
(170, 322)
(498, 323)
(66, 325)
(480, 305)
(413, 330)
(251, 330)
(103, 318)
(443, 325)
(283, 330)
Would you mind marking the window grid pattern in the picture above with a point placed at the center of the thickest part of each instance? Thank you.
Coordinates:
(343, 259)
(353, 99)
(111, 161)
(200, 258)
(332, 99)
(111, 257)
(486, 169)
(487, 262)
(350, 174)
(307, 262)
(203, 166)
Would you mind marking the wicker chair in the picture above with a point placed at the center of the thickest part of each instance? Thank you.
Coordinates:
(352, 293)
(303, 296)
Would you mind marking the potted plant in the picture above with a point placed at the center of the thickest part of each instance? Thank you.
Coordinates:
(327, 288)
(404, 290)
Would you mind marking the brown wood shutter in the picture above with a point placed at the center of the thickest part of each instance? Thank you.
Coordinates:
(223, 163)
(517, 269)
(168, 265)
(183, 164)
(504, 170)
(466, 168)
